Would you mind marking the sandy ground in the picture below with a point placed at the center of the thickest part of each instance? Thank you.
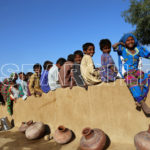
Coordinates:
(14, 140)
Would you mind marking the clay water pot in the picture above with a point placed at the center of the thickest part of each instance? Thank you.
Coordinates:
(62, 135)
(142, 140)
(25, 125)
(92, 139)
(35, 131)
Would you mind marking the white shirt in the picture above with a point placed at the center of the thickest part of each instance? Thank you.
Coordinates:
(53, 78)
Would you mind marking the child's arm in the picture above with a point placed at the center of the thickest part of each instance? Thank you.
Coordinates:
(115, 46)
(91, 68)
(144, 52)
(31, 85)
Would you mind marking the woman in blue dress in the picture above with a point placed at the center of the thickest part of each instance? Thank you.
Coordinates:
(137, 81)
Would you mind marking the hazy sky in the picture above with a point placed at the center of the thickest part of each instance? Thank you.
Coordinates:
(33, 31)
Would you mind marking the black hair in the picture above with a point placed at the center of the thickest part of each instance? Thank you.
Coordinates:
(28, 74)
(21, 73)
(37, 65)
(104, 42)
(86, 45)
(61, 61)
(78, 52)
(70, 58)
(47, 64)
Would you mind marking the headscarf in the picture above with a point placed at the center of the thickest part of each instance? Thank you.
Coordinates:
(12, 76)
(125, 37)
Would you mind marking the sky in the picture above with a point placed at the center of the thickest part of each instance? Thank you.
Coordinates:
(33, 31)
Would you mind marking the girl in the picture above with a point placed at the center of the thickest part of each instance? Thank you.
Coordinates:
(137, 81)
(108, 71)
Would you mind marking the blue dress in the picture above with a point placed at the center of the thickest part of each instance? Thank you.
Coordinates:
(44, 82)
(137, 81)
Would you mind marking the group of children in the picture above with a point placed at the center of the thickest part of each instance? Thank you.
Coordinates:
(79, 70)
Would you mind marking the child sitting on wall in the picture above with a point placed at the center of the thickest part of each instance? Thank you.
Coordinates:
(78, 55)
(44, 77)
(28, 75)
(138, 82)
(90, 75)
(108, 71)
(53, 74)
(34, 82)
(65, 73)
(23, 84)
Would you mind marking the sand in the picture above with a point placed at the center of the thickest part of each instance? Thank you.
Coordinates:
(109, 107)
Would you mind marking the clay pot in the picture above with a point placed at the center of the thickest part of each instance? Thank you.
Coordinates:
(25, 125)
(142, 140)
(93, 139)
(62, 135)
(35, 131)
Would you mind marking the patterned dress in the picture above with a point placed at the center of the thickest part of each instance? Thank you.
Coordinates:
(108, 70)
(137, 81)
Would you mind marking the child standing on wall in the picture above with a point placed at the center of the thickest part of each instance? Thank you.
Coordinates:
(34, 82)
(108, 71)
(137, 81)
(90, 75)
(44, 77)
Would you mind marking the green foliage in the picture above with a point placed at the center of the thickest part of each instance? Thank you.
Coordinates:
(139, 15)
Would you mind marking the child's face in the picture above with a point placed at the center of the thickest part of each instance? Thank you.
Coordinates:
(37, 70)
(106, 49)
(90, 51)
(78, 59)
(22, 77)
(130, 42)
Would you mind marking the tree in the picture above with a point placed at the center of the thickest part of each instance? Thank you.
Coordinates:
(139, 15)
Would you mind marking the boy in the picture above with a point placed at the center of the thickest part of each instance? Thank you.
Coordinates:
(34, 82)
(44, 77)
(53, 74)
(108, 71)
(65, 73)
(23, 84)
(90, 75)
(78, 55)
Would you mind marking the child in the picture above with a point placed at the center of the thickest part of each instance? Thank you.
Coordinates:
(44, 77)
(5, 90)
(53, 74)
(90, 75)
(108, 71)
(137, 80)
(78, 55)
(65, 73)
(34, 82)
(28, 75)
(23, 84)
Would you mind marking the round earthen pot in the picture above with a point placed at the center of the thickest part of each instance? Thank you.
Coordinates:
(62, 135)
(142, 140)
(92, 139)
(25, 125)
(35, 131)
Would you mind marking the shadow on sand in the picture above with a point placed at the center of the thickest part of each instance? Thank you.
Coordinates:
(18, 141)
